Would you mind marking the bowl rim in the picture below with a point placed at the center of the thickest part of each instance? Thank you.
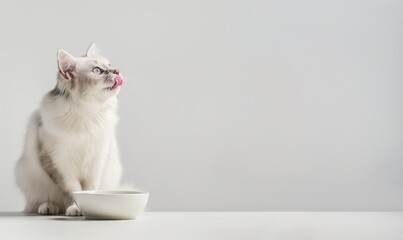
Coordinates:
(110, 192)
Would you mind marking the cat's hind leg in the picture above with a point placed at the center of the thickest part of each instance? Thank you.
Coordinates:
(31, 207)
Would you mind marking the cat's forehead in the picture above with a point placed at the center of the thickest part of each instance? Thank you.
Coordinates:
(95, 61)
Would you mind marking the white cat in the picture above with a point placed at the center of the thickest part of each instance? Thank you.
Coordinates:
(70, 142)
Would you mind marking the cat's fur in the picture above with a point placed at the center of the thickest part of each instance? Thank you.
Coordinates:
(70, 141)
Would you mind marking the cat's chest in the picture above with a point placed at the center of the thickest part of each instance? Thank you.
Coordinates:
(80, 149)
(82, 145)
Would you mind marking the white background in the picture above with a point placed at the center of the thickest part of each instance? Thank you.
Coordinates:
(227, 105)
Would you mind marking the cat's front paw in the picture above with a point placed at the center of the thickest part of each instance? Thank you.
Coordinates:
(73, 210)
(48, 208)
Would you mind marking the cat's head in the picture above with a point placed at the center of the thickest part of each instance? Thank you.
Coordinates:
(91, 76)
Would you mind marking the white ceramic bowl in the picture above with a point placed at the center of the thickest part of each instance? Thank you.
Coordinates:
(111, 204)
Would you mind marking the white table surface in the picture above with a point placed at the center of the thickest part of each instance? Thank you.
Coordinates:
(210, 225)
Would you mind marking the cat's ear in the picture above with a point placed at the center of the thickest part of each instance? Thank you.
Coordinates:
(92, 50)
(66, 63)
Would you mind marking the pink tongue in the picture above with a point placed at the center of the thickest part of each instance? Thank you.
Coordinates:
(118, 81)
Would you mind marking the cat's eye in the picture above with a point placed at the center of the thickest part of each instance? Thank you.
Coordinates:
(97, 70)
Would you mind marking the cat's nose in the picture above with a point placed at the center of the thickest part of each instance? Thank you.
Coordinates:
(116, 72)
